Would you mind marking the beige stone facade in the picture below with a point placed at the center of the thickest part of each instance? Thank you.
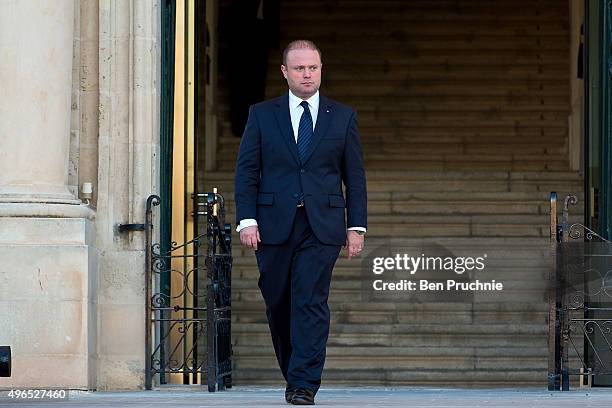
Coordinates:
(79, 103)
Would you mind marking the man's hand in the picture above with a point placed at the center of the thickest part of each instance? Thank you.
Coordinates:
(354, 243)
(249, 236)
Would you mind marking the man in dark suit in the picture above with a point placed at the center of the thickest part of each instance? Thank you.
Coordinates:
(297, 151)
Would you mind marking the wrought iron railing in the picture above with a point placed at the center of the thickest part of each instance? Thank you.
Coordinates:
(580, 299)
(184, 316)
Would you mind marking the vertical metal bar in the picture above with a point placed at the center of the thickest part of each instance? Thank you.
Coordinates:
(570, 199)
(151, 201)
(196, 288)
(553, 218)
(553, 326)
(211, 354)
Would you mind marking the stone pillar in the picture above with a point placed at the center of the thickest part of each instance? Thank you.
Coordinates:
(36, 76)
(47, 271)
(128, 150)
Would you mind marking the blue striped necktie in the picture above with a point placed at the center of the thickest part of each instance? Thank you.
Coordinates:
(304, 132)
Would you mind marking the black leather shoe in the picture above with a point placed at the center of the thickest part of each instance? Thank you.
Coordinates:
(303, 396)
(289, 391)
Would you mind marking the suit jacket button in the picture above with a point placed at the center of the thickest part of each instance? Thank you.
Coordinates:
(302, 171)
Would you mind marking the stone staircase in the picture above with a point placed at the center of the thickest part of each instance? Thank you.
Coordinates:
(463, 110)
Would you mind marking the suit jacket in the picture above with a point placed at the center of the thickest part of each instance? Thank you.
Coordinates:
(270, 176)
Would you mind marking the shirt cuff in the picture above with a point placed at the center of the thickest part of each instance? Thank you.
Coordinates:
(356, 229)
(247, 222)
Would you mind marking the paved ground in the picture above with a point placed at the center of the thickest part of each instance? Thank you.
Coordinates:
(260, 397)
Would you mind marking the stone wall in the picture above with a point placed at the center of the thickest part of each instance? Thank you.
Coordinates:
(82, 101)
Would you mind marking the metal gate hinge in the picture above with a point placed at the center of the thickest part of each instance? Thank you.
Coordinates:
(131, 227)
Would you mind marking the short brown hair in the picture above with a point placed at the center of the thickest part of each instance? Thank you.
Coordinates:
(300, 45)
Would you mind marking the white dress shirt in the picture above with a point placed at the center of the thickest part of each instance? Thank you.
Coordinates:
(296, 110)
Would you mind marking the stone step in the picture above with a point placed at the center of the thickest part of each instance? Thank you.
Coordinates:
(441, 330)
(375, 145)
(546, 88)
(435, 14)
(406, 309)
(459, 73)
(248, 272)
(474, 224)
(249, 336)
(390, 318)
(467, 175)
(522, 294)
(499, 249)
(448, 164)
(408, 128)
(408, 351)
(242, 314)
(419, 133)
(475, 219)
(444, 7)
(521, 250)
(396, 210)
(482, 118)
(436, 378)
(375, 140)
(437, 104)
(374, 185)
(388, 28)
(414, 362)
(514, 261)
(245, 272)
(244, 266)
(403, 309)
(397, 358)
(461, 190)
(374, 150)
(410, 193)
(521, 279)
(447, 57)
(394, 147)
(377, 216)
(446, 230)
(397, 204)
(512, 293)
(377, 161)
(398, 164)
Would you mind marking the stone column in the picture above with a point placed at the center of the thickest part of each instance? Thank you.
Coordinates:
(47, 270)
(36, 75)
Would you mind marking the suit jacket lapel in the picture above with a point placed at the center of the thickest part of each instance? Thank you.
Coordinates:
(284, 122)
(323, 120)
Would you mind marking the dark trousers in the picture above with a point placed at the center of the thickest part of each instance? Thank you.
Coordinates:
(294, 279)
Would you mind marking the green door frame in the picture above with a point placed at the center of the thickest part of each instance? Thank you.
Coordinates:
(168, 29)
(168, 17)
(606, 133)
(598, 133)
(598, 116)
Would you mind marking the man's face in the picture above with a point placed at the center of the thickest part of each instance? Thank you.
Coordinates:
(303, 72)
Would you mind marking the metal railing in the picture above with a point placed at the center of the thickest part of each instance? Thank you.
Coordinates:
(580, 301)
(190, 317)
